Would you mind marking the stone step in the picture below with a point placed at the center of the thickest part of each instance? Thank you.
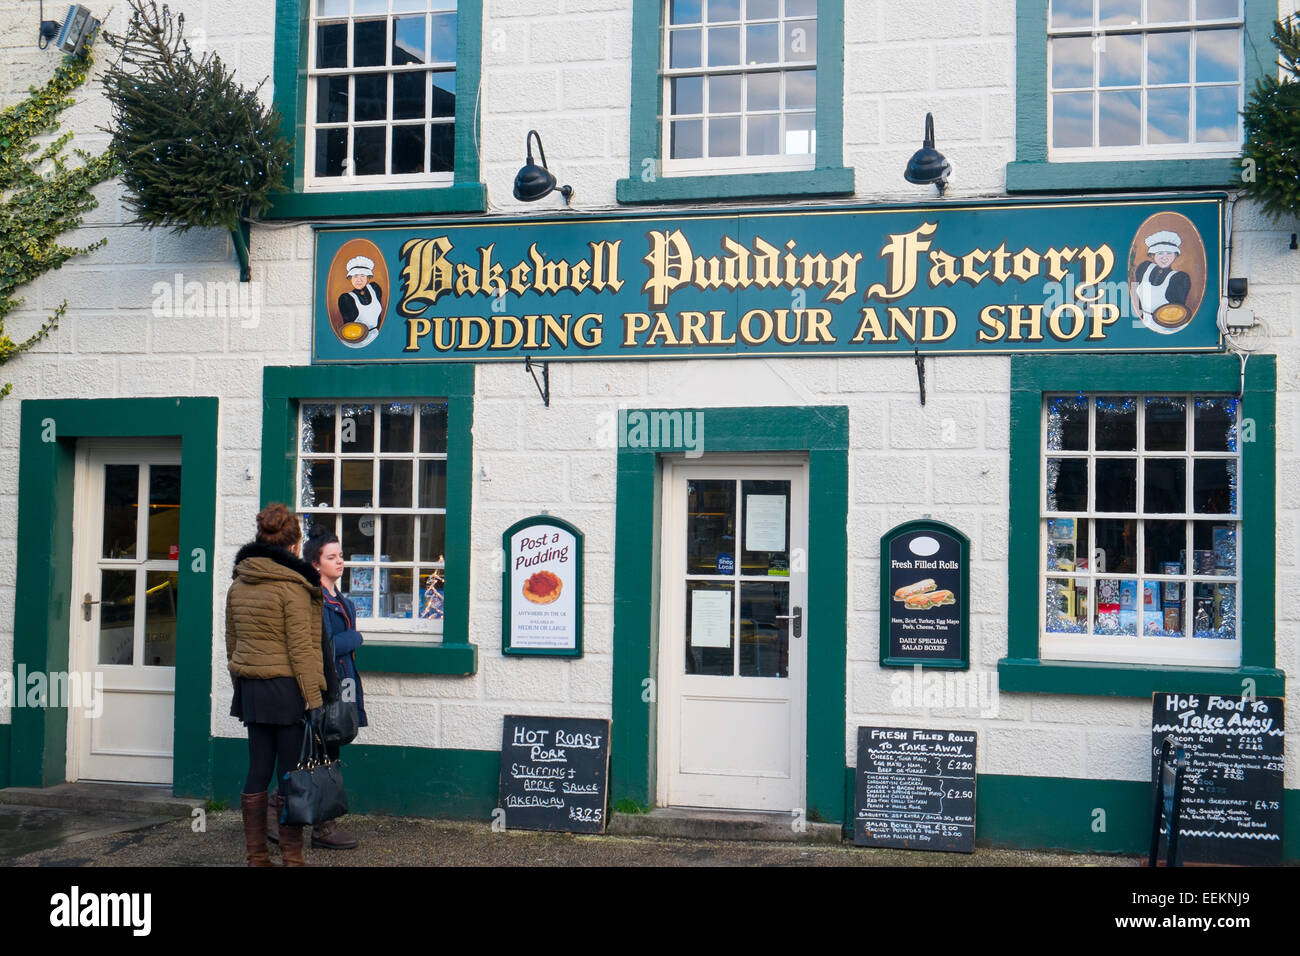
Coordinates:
(701, 824)
(113, 797)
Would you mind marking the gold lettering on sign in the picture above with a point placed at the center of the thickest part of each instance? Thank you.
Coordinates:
(902, 252)
(426, 273)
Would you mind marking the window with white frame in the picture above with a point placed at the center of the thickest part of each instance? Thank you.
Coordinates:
(739, 85)
(1140, 529)
(381, 92)
(375, 474)
(1144, 78)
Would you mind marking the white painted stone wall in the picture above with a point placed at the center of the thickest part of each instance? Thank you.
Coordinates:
(562, 67)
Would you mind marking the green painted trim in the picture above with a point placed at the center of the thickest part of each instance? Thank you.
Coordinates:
(823, 432)
(466, 194)
(401, 781)
(507, 605)
(284, 386)
(4, 756)
(644, 184)
(1031, 377)
(38, 744)
(1031, 171)
(962, 660)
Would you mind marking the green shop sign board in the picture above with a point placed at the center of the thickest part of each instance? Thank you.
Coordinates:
(925, 596)
(998, 276)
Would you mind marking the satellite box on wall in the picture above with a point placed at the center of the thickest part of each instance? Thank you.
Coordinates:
(77, 27)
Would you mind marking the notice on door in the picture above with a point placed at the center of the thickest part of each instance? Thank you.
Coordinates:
(542, 588)
(765, 522)
(710, 618)
(924, 595)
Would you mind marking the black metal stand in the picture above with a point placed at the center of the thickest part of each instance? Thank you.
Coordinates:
(1168, 802)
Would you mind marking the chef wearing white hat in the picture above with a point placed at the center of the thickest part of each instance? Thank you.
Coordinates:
(362, 307)
(1159, 290)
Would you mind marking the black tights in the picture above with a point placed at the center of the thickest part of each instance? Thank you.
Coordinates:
(266, 744)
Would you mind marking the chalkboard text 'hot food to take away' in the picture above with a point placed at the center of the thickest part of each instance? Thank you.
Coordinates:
(1005, 277)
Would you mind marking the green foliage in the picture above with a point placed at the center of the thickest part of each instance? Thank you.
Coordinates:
(1272, 130)
(196, 148)
(628, 805)
(44, 195)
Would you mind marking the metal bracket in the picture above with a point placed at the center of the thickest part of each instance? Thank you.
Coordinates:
(920, 371)
(242, 238)
(544, 386)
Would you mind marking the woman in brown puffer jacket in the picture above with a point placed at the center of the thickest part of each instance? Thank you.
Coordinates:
(273, 649)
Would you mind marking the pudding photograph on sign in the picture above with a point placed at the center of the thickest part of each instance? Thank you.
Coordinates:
(356, 292)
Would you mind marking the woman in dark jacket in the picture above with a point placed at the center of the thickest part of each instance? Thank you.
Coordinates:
(326, 556)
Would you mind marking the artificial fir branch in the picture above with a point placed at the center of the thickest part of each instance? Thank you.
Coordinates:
(1271, 122)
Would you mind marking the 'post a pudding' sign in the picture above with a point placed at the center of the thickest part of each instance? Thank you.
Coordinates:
(925, 596)
(541, 583)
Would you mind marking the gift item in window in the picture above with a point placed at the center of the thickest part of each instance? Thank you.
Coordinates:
(1225, 548)
(1108, 604)
(1171, 587)
(1173, 621)
(431, 609)
(364, 604)
(1128, 606)
(360, 581)
(401, 605)
(1204, 561)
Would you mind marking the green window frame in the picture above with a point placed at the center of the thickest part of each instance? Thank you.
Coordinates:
(1032, 377)
(283, 388)
(645, 184)
(1031, 170)
(464, 194)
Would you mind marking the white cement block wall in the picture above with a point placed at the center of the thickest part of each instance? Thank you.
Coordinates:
(563, 67)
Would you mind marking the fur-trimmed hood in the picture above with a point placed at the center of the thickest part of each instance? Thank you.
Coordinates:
(256, 561)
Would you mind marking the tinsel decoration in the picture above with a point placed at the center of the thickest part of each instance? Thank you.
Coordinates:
(1271, 122)
(197, 149)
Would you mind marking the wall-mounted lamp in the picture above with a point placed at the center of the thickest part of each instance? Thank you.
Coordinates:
(77, 29)
(533, 182)
(927, 165)
(1237, 289)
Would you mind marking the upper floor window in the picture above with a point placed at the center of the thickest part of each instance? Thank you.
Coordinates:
(1144, 78)
(739, 85)
(381, 93)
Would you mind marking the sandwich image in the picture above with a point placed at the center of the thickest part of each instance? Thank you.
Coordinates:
(923, 594)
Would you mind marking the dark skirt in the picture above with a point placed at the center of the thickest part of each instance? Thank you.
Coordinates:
(271, 700)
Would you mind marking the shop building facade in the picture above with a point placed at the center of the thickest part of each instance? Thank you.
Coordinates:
(1106, 467)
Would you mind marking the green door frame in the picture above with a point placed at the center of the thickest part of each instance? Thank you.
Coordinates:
(42, 609)
(821, 432)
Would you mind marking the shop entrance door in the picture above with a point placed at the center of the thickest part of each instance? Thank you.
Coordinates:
(125, 559)
(733, 635)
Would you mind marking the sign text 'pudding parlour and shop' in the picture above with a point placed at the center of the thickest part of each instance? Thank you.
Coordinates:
(1004, 276)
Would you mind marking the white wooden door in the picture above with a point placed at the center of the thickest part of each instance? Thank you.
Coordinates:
(126, 554)
(733, 636)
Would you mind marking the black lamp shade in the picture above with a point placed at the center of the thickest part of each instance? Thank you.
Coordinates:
(533, 182)
(927, 165)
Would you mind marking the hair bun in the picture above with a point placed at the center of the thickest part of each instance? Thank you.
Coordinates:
(277, 525)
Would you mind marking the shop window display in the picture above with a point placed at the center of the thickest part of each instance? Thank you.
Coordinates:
(1141, 528)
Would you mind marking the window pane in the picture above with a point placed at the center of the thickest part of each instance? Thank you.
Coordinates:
(332, 99)
(685, 11)
(801, 41)
(1120, 12)
(757, 556)
(369, 159)
(395, 598)
(762, 9)
(442, 147)
(1067, 484)
(163, 531)
(409, 91)
(800, 134)
(800, 8)
(705, 657)
(1120, 118)
(1162, 609)
(357, 484)
(358, 538)
(431, 594)
(1165, 548)
(1067, 544)
(763, 91)
(397, 539)
(1067, 423)
(1214, 548)
(443, 39)
(408, 40)
(116, 617)
(1168, 11)
(433, 427)
(763, 43)
(160, 619)
(764, 640)
(687, 94)
(1214, 486)
(1071, 13)
(1067, 606)
(358, 429)
(331, 8)
(1071, 120)
(395, 489)
(360, 7)
(1167, 118)
(1216, 115)
(1168, 58)
(1116, 614)
(724, 93)
(1116, 546)
(318, 428)
(433, 483)
(1166, 424)
(1120, 61)
(1116, 423)
(1218, 56)
(686, 139)
(1216, 423)
(331, 151)
(1071, 62)
(331, 46)
(1217, 9)
(369, 42)
(444, 94)
(359, 585)
(397, 428)
(800, 89)
(710, 527)
(408, 149)
(416, 6)
(121, 506)
(1165, 489)
(433, 537)
(724, 46)
(372, 98)
(763, 136)
(1116, 484)
(1215, 611)
(684, 49)
(722, 10)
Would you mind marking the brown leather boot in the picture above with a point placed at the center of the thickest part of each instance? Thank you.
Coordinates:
(291, 846)
(253, 808)
(330, 836)
(274, 804)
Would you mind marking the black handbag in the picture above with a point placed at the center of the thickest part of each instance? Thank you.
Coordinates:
(339, 724)
(313, 791)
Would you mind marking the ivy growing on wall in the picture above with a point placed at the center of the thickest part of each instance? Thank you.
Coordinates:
(44, 194)
(1272, 130)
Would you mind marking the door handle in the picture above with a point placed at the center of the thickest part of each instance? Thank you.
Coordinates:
(86, 603)
(797, 617)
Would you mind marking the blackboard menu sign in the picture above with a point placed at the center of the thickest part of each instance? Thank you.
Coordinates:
(924, 596)
(554, 772)
(915, 789)
(1232, 788)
